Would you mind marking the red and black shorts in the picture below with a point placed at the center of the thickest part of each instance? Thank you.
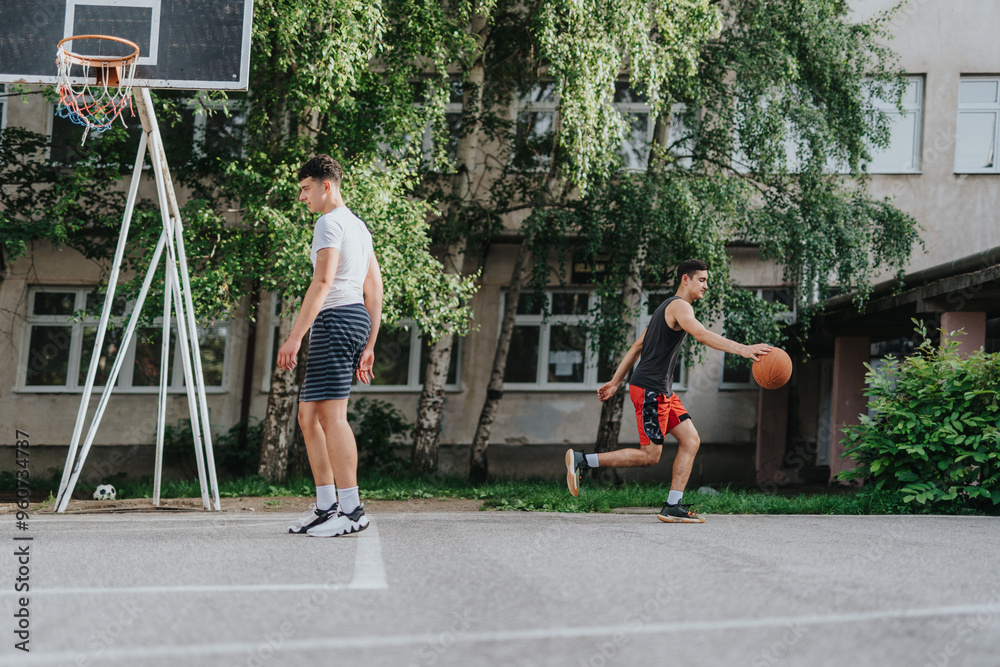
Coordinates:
(656, 414)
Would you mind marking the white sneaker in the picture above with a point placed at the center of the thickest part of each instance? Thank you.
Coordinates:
(343, 524)
(312, 517)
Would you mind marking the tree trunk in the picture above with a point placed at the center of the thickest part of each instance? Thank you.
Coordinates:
(478, 463)
(249, 356)
(611, 411)
(427, 431)
(279, 428)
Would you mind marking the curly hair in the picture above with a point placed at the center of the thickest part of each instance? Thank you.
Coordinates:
(322, 168)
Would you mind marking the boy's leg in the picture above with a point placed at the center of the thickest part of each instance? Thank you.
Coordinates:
(688, 442)
(343, 453)
(315, 439)
(341, 448)
(651, 418)
(325, 507)
(630, 457)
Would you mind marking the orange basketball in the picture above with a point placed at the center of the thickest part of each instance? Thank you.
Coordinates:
(773, 369)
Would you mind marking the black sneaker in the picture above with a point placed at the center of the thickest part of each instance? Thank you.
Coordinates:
(678, 514)
(576, 466)
(343, 524)
(313, 516)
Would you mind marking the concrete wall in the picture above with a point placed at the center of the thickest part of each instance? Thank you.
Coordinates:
(943, 40)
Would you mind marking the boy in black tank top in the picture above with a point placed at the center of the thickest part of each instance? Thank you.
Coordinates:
(658, 410)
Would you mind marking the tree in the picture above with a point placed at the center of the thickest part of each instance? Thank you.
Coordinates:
(775, 75)
(324, 78)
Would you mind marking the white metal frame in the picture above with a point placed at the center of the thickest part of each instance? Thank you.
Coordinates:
(177, 295)
(982, 108)
(3, 106)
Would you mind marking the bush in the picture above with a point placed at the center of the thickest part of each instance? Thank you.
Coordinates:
(379, 429)
(231, 458)
(935, 437)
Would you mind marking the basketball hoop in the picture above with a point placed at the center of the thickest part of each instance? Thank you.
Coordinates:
(96, 106)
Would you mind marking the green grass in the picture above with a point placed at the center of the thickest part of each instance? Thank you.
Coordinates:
(552, 496)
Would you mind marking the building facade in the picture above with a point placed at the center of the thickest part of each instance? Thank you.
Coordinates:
(940, 167)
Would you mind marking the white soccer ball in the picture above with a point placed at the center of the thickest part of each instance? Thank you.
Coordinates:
(104, 492)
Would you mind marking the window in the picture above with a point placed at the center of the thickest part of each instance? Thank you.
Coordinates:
(453, 124)
(189, 127)
(635, 144)
(736, 374)
(551, 352)
(59, 346)
(218, 127)
(976, 135)
(3, 105)
(400, 357)
(535, 126)
(115, 147)
(902, 155)
(401, 360)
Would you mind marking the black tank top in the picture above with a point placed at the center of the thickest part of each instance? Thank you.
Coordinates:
(660, 350)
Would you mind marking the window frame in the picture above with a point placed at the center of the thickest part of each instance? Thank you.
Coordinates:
(545, 323)
(790, 317)
(78, 362)
(452, 108)
(525, 105)
(203, 106)
(414, 383)
(917, 109)
(636, 108)
(979, 107)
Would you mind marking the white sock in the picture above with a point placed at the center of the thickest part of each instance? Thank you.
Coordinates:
(326, 496)
(349, 499)
(592, 460)
(674, 497)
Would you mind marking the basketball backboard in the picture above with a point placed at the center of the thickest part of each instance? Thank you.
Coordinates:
(185, 44)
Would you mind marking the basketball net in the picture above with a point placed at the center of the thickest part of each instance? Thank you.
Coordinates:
(95, 106)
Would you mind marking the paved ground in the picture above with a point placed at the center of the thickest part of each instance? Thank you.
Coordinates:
(503, 588)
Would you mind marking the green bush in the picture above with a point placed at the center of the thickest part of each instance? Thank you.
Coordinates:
(935, 437)
(379, 429)
(232, 459)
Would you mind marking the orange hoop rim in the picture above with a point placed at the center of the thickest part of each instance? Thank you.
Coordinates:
(100, 61)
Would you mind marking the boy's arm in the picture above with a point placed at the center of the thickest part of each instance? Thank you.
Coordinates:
(373, 303)
(326, 270)
(611, 386)
(684, 314)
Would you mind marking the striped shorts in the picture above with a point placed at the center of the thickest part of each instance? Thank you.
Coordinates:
(336, 340)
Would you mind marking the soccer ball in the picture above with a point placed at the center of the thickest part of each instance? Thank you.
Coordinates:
(104, 492)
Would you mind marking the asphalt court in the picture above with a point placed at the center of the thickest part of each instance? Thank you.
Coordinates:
(509, 588)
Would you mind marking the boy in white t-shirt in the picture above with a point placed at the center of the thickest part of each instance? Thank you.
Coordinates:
(341, 309)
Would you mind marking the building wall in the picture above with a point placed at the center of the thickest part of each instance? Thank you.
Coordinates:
(939, 41)
(943, 41)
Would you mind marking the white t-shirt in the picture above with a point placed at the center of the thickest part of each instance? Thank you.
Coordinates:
(344, 231)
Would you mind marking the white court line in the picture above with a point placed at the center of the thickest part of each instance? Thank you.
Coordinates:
(369, 575)
(525, 634)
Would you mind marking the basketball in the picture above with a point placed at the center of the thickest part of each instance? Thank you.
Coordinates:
(773, 369)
